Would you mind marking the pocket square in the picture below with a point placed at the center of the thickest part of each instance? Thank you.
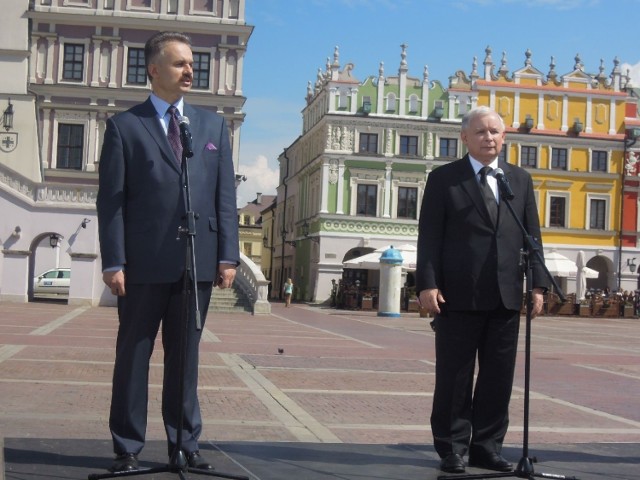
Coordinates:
(210, 146)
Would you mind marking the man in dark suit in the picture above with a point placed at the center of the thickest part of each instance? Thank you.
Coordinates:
(469, 276)
(141, 205)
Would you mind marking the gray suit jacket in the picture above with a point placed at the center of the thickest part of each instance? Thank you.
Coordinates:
(141, 198)
(474, 263)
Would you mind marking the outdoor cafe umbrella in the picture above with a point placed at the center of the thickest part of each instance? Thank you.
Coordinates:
(581, 277)
(561, 266)
(371, 261)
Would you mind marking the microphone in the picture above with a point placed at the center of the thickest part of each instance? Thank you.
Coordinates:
(185, 137)
(503, 183)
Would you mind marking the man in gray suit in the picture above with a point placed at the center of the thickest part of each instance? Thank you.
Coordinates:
(469, 276)
(141, 205)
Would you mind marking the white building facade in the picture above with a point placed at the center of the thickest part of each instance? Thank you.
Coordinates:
(67, 66)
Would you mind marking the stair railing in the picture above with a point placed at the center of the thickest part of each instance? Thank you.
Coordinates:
(252, 282)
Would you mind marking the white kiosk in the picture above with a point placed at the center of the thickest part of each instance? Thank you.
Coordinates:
(390, 283)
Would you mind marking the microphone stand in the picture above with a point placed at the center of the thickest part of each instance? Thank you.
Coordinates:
(178, 463)
(524, 468)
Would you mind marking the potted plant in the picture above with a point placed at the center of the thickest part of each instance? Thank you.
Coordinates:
(628, 310)
(584, 309)
(367, 301)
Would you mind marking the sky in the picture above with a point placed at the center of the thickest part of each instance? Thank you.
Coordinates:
(292, 39)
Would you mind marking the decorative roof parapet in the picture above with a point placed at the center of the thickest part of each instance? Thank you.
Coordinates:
(616, 81)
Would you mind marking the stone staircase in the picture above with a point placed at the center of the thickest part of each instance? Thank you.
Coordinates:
(229, 300)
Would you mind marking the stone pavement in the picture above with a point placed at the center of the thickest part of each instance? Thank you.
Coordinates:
(315, 378)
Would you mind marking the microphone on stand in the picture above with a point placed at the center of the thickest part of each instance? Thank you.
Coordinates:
(503, 183)
(185, 137)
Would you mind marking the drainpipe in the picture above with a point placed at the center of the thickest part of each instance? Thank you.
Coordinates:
(284, 218)
(271, 250)
(628, 142)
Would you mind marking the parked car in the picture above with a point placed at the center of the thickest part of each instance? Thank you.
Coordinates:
(54, 281)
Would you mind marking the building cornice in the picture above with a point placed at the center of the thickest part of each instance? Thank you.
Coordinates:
(47, 194)
(116, 99)
(142, 20)
(483, 85)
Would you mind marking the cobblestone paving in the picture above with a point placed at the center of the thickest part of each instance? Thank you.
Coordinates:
(310, 374)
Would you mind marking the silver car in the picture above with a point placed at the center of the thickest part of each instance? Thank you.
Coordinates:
(54, 281)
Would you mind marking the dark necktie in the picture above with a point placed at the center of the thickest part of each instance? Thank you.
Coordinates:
(488, 195)
(173, 134)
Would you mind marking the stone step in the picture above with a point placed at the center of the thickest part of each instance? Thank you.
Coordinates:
(229, 300)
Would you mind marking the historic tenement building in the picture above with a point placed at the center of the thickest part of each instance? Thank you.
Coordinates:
(67, 66)
(572, 132)
(353, 181)
(251, 232)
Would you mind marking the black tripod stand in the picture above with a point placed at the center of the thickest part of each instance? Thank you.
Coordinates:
(524, 468)
(178, 463)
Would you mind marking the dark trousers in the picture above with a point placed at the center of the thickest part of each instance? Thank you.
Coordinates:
(140, 313)
(465, 418)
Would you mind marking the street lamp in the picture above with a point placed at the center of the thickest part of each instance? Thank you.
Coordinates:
(284, 239)
(632, 137)
(305, 233)
(7, 117)
(54, 240)
(631, 263)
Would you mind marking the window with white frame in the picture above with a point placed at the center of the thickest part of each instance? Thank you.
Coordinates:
(368, 143)
(136, 68)
(70, 146)
(367, 199)
(201, 68)
(557, 215)
(598, 214)
(559, 159)
(147, 5)
(502, 156)
(599, 161)
(73, 62)
(407, 203)
(234, 9)
(528, 156)
(449, 147)
(408, 145)
(203, 7)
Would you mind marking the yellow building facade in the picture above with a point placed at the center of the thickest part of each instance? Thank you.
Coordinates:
(569, 132)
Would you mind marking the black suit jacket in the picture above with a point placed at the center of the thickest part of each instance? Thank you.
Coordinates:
(141, 198)
(474, 263)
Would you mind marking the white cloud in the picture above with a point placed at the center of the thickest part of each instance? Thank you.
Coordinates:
(260, 178)
(270, 126)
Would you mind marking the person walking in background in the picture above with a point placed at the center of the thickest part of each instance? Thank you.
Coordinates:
(469, 276)
(288, 291)
(141, 206)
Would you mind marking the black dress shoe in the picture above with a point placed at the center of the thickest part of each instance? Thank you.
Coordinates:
(125, 462)
(452, 463)
(490, 461)
(195, 460)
